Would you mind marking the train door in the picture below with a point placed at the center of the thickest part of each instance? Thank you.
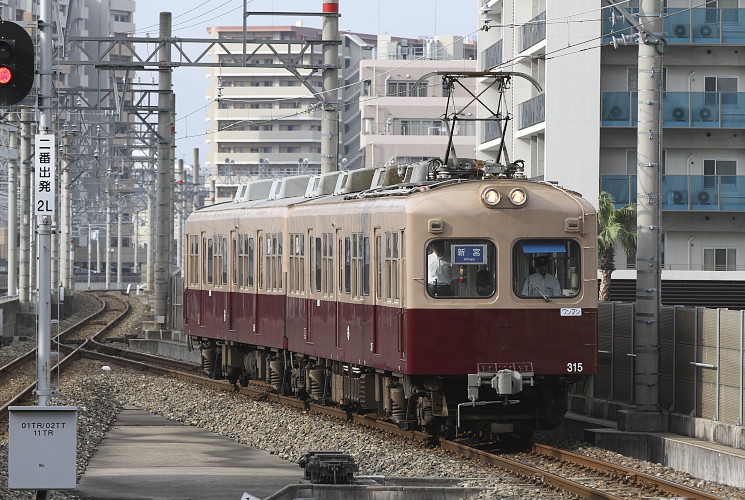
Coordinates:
(338, 308)
(376, 268)
(314, 291)
(260, 281)
(296, 303)
(401, 294)
(230, 256)
(322, 307)
(203, 298)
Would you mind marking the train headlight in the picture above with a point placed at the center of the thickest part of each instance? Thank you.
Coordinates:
(490, 197)
(518, 196)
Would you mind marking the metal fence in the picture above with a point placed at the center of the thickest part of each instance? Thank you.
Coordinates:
(702, 360)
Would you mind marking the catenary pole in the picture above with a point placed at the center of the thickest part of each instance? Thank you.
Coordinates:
(13, 145)
(163, 179)
(44, 222)
(649, 139)
(330, 78)
(24, 255)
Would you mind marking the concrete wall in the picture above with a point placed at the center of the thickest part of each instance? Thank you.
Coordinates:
(8, 319)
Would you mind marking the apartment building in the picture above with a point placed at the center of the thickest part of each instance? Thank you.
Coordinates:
(100, 147)
(267, 123)
(579, 129)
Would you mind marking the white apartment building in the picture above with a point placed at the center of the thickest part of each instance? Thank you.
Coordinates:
(266, 122)
(580, 129)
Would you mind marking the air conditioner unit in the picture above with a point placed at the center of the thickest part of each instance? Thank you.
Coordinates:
(678, 197)
(615, 112)
(680, 114)
(680, 30)
(706, 197)
(708, 30)
(707, 113)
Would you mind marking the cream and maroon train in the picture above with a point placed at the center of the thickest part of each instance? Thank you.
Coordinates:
(319, 285)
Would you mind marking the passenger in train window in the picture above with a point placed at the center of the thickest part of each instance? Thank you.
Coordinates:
(439, 271)
(541, 283)
(484, 283)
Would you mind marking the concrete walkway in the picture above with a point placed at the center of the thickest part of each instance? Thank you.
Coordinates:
(146, 457)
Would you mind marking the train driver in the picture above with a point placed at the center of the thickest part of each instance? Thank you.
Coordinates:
(439, 271)
(541, 283)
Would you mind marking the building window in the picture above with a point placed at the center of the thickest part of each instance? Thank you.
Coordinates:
(720, 259)
(405, 89)
(120, 17)
(726, 169)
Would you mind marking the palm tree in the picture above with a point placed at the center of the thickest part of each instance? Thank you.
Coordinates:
(617, 226)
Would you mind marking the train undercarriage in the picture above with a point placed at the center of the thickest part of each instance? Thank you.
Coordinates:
(436, 404)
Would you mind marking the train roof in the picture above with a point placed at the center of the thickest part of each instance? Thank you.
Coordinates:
(369, 183)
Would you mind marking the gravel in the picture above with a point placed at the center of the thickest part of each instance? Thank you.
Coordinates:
(286, 432)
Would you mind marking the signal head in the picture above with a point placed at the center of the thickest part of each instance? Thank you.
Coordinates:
(16, 63)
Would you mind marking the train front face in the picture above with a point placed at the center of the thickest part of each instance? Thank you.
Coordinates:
(513, 304)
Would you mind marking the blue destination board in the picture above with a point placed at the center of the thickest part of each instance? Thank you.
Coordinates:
(468, 254)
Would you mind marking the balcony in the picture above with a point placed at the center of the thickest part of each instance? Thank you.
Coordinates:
(711, 193)
(532, 32)
(531, 111)
(680, 109)
(689, 26)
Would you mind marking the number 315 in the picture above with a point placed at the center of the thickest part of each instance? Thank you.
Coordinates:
(574, 367)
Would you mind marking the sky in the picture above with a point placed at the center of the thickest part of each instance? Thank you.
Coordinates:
(191, 18)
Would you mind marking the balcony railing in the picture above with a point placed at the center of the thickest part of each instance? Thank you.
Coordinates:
(723, 193)
(679, 109)
(492, 56)
(491, 130)
(690, 26)
(532, 32)
(532, 111)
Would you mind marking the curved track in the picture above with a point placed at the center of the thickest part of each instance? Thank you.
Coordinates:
(545, 467)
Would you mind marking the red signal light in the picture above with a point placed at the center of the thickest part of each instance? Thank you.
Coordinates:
(6, 75)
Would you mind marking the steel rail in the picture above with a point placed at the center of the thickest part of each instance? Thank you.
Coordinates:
(675, 489)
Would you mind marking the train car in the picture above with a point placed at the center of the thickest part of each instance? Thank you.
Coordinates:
(450, 297)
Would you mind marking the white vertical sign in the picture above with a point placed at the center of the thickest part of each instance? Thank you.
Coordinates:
(45, 181)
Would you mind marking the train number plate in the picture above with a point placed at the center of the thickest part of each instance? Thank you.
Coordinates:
(571, 311)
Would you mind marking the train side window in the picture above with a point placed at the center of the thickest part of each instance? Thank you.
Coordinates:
(262, 266)
(193, 260)
(224, 261)
(545, 268)
(210, 260)
(328, 264)
(297, 263)
(461, 268)
(250, 264)
(237, 259)
(347, 265)
(391, 267)
(395, 268)
(379, 267)
(366, 266)
(317, 264)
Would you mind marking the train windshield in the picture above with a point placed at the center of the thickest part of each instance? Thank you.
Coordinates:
(462, 268)
(546, 268)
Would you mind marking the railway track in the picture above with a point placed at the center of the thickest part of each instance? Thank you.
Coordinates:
(559, 472)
